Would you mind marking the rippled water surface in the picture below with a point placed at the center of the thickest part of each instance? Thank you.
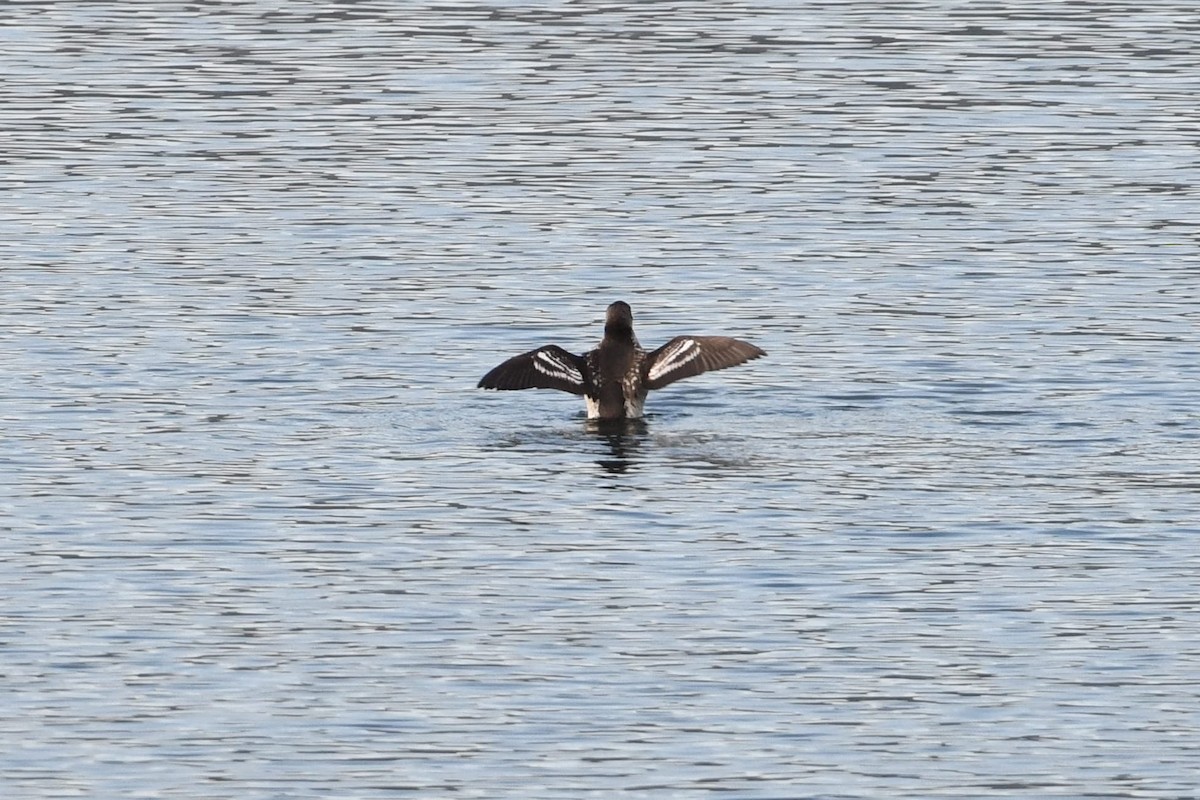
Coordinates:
(264, 539)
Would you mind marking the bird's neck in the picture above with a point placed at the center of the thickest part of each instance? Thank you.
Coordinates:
(618, 333)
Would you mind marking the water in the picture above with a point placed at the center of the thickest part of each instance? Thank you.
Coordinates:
(263, 539)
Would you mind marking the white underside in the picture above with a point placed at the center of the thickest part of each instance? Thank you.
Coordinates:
(633, 407)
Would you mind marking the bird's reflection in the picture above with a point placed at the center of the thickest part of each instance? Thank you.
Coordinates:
(623, 438)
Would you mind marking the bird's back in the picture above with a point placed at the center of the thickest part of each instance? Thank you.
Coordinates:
(617, 390)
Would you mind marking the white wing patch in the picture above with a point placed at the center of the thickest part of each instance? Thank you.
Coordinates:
(673, 358)
(551, 365)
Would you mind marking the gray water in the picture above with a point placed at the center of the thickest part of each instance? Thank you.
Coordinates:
(264, 539)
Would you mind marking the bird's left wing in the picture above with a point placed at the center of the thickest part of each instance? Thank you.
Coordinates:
(549, 367)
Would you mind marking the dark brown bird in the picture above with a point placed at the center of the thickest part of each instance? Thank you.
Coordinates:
(615, 377)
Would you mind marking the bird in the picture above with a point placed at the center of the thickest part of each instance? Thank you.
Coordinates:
(615, 377)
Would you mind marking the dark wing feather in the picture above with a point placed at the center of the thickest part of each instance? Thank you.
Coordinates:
(549, 367)
(685, 356)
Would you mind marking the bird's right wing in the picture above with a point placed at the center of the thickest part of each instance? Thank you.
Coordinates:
(685, 356)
